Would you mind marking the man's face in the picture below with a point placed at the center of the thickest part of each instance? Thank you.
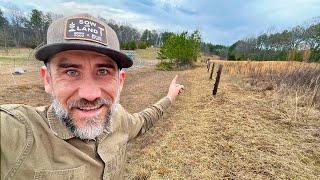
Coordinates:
(85, 86)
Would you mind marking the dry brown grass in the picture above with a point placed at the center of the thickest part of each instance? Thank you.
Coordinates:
(298, 79)
(240, 134)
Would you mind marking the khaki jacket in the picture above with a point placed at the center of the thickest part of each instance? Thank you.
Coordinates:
(36, 145)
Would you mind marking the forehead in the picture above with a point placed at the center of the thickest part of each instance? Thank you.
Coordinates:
(81, 57)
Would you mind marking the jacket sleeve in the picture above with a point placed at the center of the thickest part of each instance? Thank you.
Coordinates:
(139, 123)
(14, 142)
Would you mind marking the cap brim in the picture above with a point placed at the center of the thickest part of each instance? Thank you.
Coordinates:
(47, 51)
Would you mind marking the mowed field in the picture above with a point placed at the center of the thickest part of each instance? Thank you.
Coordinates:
(250, 130)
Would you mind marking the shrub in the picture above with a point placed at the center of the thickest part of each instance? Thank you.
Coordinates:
(142, 45)
(315, 55)
(181, 49)
(130, 45)
(165, 66)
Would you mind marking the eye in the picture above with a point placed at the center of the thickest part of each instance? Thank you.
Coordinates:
(72, 72)
(102, 72)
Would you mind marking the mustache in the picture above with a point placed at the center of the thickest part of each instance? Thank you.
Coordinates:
(88, 105)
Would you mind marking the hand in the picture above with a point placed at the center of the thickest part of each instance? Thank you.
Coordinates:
(174, 89)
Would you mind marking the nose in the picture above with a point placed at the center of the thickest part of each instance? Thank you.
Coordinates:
(89, 89)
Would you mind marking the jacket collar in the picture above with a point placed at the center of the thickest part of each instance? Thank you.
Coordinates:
(57, 127)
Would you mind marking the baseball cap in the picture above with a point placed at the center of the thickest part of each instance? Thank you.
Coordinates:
(82, 32)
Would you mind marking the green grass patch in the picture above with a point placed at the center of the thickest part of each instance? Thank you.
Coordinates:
(22, 54)
(145, 54)
(17, 55)
(15, 51)
(16, 59)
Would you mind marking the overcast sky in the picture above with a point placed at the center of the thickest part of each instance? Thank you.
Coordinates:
(220, 22)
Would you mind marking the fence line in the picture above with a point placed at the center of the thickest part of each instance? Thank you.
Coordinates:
(216, 84)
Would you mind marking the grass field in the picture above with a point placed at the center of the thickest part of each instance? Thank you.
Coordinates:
(15, 52)
(298, 79)
(251, 130)
(243, 133)
(23, 53)
(146, 54)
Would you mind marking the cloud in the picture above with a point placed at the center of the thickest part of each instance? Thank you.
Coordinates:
(285, 12)
(173, 3)
(222, 22)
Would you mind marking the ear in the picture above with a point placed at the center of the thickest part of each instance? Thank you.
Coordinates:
(45, 74)
(122, 76)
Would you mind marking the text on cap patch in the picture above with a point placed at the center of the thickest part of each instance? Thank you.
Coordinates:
(85, 29)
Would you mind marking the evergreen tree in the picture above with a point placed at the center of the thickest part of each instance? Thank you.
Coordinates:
(181, 49)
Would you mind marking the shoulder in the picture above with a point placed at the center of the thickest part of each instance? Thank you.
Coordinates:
(16, 135)
(21, 111)
(20, 107)
(118, 116)
(12, 114)
(13, 118)
(118, 110)
(13, 125)
(18, 117)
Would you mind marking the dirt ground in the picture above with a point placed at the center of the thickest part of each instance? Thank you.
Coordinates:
(242, 133)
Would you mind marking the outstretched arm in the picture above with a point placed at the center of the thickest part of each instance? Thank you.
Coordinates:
(175, 89)
(139, 123)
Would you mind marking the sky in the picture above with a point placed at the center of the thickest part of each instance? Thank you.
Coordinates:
(220, 22)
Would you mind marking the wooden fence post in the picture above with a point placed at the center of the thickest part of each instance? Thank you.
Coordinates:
(216, 84)
(208, 66)
(212, 70)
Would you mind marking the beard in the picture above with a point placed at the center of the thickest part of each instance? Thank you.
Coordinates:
(93, 128)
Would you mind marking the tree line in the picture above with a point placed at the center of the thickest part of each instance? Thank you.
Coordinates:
(216, 49)
(301, 43)
(130, 38)
(18, 29)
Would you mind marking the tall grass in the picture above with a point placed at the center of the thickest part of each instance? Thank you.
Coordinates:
(290, 77)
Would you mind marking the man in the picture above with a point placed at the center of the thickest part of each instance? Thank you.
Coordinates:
(83, 134)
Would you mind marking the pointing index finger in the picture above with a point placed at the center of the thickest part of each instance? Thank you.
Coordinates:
(174, 80)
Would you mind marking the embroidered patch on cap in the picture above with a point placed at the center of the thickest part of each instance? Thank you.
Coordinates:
(85, 29)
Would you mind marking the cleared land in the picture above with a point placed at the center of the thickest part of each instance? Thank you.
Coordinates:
(244, 133)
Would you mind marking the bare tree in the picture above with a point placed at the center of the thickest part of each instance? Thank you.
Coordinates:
(4, 27)
(17, 21)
